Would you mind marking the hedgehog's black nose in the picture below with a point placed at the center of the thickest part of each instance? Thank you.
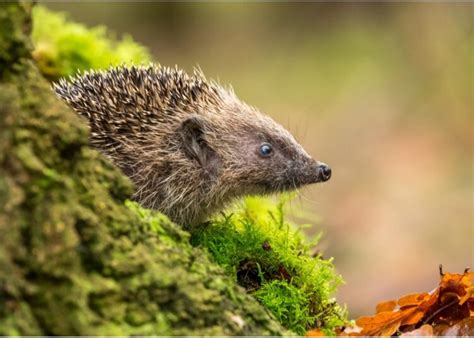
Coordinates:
(324, 173)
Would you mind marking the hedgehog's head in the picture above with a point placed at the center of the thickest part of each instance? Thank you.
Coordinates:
(188, 144)
(248, 152)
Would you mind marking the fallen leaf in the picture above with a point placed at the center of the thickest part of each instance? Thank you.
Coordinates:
(389, 305)
(382, 324)
(413, 299)
(447, 310)
(450, 306)
(413, 318)
(469, 295)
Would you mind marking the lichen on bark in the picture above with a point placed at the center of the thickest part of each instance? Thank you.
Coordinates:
(75, 259)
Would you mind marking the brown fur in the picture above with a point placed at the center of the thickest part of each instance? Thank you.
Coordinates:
(189, 145)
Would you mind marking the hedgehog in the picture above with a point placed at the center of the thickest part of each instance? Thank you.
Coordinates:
(188, 144)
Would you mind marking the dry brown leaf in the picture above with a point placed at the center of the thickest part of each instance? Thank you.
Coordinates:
(382, 324)
(413, 318)
(469, 295)
(449, 279)
(389, 305)
(413, 299)
(450, 304)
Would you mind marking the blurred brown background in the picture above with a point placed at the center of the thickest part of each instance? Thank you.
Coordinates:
(381, 92)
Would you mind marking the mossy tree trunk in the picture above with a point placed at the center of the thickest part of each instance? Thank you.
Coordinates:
(74, 259)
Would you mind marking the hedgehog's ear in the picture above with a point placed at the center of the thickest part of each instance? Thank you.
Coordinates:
(196, 147)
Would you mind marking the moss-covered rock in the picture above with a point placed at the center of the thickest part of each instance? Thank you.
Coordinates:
(75, 258)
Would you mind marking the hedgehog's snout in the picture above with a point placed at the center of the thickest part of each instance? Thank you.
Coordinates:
(313, 172)
(324, 172)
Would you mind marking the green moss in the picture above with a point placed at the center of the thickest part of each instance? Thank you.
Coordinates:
(63, 47)
(269, 256)
(13, 43)
(288, 303)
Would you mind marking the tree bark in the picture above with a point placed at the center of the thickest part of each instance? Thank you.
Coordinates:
(74, 259)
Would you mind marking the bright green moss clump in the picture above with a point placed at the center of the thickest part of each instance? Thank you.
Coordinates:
(271, 259)
(63, 47)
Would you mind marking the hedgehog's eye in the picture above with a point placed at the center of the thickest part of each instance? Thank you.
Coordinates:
(265, 150)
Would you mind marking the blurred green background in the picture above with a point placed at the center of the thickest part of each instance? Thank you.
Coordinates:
(381, 92)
